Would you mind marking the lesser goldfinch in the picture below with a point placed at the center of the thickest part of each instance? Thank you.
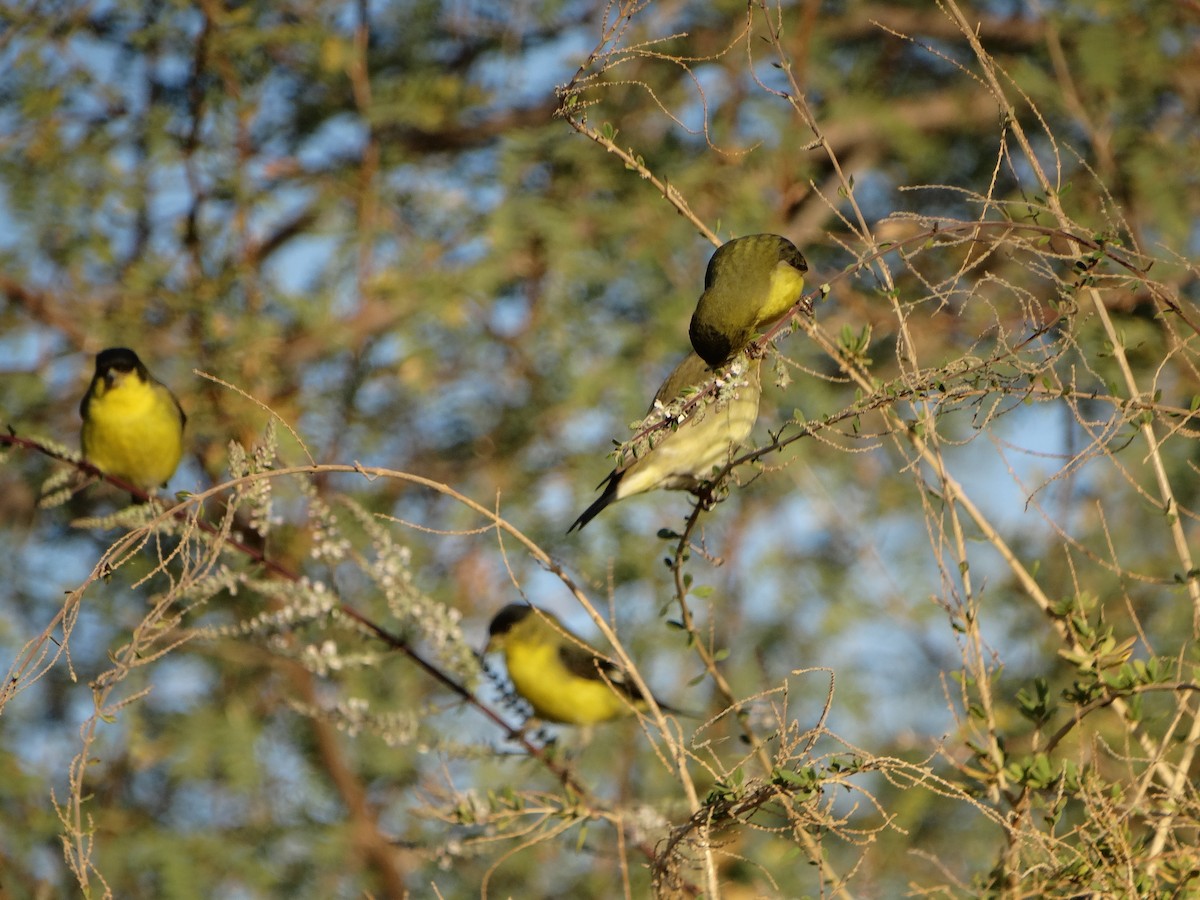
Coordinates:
(563, 679)
(705, 440)
(132, 423)
(750, 283)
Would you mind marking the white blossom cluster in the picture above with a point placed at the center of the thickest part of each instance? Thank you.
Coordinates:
(329, 545)
(353, 716)
(421, 618)
(303, 601)
(256, 493)
(326, 657)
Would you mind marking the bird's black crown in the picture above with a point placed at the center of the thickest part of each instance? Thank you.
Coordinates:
(507, 618)
(120, 358)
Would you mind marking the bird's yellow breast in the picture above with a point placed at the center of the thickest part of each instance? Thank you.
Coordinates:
(134, 431)
(555, 693)
(784, 288)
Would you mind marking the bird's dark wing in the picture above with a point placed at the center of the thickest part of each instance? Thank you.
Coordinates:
(178, 408)
(689, 374)
(586, 664)
(87, 399)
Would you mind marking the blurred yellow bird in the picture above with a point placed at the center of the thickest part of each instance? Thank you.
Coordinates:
(750, 283)
(132, 423)
(563, 679)
(707, 438)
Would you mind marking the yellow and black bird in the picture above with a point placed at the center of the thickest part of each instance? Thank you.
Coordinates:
(563, 679)
(750, 283)
(132, 423)
(686, 457)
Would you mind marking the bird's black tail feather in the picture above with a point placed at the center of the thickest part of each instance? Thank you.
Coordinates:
(609, 495)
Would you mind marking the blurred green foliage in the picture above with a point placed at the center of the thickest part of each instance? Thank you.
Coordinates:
(382, 223)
